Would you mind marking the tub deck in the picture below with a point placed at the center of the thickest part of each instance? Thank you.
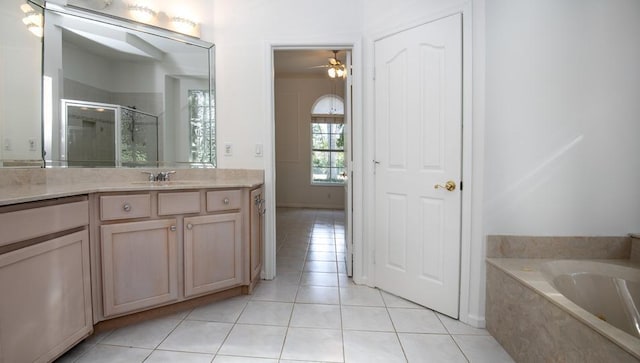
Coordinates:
(521, 311)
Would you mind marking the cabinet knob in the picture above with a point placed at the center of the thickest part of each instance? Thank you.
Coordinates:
(172, 228)
(189, 226)
(225, 201)
(126, 207)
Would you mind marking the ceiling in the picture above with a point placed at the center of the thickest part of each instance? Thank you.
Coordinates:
(303, 61)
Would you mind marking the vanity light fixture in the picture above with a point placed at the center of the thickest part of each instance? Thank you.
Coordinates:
(142, 13)
(32, 19)
(183, 24)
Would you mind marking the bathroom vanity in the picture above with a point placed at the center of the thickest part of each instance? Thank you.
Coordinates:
(73, 255)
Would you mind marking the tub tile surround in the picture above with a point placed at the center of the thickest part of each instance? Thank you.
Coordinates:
(26, 185)
(532, 320)
(528, 323)
(635, 247)
(558, 247)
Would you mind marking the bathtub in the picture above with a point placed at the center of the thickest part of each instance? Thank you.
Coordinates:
(565, 310)
(608, 291)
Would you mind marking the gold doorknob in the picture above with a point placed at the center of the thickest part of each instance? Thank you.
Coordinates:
(450, 186)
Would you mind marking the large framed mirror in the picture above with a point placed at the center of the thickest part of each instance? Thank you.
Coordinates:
(20, 83)
(118, 93)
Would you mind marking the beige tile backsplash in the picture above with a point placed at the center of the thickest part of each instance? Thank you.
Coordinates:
(559, 247)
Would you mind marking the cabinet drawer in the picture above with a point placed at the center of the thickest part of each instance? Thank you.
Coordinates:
(223, 200)
(178, 203)
(125, 206)
(31, 223)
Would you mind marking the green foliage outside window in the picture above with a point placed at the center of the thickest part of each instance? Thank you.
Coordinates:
(327, 153)
(201, 129)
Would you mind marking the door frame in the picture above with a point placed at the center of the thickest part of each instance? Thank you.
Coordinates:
(354, 44)
(472, 245)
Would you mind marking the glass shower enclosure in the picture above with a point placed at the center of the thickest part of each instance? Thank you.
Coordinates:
(102, 135)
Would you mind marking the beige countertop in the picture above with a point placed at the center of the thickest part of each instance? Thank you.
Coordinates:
(20, 186)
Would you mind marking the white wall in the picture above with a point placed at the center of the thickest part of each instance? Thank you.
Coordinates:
(242, 30)
(294, 98)
(562, 117)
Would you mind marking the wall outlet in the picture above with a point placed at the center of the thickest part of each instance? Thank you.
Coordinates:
(258, 150)
(228, 149)
(32, 144)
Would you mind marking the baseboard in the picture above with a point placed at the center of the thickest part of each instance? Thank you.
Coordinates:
(476, 321)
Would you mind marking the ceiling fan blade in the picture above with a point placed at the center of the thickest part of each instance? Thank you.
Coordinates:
(322, 66)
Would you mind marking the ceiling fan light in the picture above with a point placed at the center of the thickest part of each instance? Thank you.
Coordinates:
(340, 72)
(332, 72)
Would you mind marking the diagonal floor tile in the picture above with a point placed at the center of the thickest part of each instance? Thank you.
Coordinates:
(431, 348)
(416, 321)
(371, 347)
(197, 337)
(267, 313)
(316, 316)
(366, 318)
(259, 341)
(482, 349)
(148, 334)
(313, 344)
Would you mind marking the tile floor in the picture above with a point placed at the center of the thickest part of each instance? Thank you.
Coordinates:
(310, 313)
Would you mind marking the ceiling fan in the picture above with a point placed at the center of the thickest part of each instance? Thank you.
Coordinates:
(335, 68)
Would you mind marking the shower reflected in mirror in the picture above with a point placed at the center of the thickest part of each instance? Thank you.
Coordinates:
(101, 135)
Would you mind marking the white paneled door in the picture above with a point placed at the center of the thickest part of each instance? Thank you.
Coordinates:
(418, 118)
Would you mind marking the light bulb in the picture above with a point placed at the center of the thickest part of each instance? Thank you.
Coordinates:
(182, 24)
(142, 13)
(341, 73)
(332, 72)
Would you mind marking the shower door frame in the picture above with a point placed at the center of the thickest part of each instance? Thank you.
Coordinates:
(64, 103)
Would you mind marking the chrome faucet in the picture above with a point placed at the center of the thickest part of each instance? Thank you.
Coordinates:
(164, 175)
(161, 176)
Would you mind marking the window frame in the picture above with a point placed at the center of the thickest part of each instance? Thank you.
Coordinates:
(332, 152)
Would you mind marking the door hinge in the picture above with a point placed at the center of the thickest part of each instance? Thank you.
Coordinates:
(460, 184)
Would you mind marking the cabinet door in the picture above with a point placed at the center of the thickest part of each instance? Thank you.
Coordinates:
(46, 299)
(212, 253)
(256, 232)
(139, 265)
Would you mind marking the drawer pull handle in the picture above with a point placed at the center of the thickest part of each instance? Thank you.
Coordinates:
(126, 207)
(189, 226)
(172, 228)
(225, 201)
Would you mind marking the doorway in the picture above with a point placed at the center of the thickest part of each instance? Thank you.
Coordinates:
(312, 117)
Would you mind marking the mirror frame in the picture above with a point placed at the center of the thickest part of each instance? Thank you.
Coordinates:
(128, 24)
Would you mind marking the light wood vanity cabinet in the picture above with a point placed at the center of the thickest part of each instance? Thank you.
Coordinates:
(139, 265)
(160, 247)
(44, 277)
(212, 253)
(256, 234)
